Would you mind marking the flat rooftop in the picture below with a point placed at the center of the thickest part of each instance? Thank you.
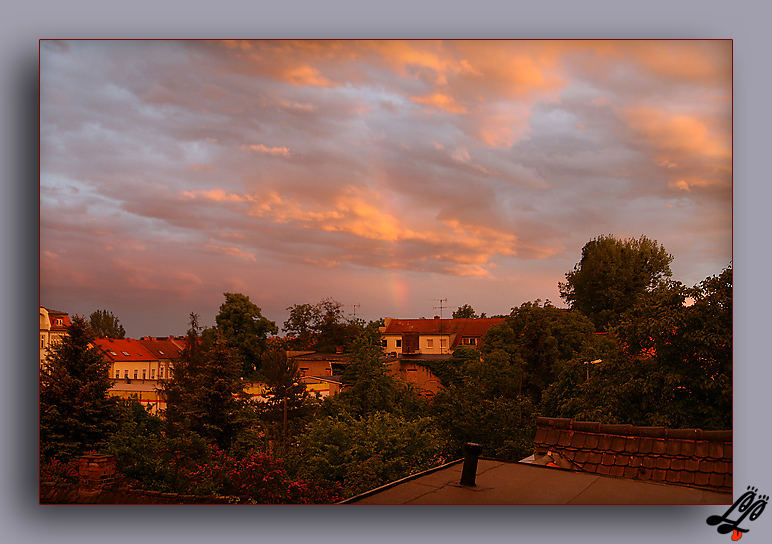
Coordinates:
(500, 482)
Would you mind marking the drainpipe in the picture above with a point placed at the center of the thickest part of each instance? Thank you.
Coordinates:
(469, 471)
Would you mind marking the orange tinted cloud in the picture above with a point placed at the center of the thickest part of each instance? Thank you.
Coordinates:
(440, 101)
(260, 148)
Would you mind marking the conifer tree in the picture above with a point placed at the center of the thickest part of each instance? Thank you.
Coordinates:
(76, 413)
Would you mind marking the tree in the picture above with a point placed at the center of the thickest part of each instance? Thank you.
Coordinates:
(612, 275)
(465, 312)
(76, 413)
(670, 364)
(205, 394)
(365, 452)
(321, 326)
(537, 337)
(105, 325)
(244, 329)
(286, 390)
(485, 406)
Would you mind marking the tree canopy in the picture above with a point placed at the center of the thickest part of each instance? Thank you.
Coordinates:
(465, 312)
(205, 393)
(243, 328)
(321, 326)
(76, 413)
(670, 363)
(105, 325)
(612, 275)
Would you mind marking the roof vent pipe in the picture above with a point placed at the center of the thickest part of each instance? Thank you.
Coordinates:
(469, 472)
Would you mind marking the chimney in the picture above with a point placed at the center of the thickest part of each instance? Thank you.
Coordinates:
(338, 349)
(469, 471)
(436, 317)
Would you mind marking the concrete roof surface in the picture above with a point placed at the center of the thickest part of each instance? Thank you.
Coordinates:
(500, 482)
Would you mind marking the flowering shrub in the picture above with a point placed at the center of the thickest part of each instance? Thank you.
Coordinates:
(256, 478)
(59, 472)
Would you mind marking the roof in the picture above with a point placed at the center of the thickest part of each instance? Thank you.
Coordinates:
(163, 347)
(124, 349)
(686, 457)
(462, 327)
(53, 315)
(335, 357)
(500, 482)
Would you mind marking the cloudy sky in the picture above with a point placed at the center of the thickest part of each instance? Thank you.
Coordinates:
(385, 174)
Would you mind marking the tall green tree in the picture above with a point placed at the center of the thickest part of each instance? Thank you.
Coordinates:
(465, 312)
(612, 275)
(536, 337)
(205, 394)
(105, 325)
(670, 364)
(285, 384)
(76, 413)
(321, 326)
(243, 328)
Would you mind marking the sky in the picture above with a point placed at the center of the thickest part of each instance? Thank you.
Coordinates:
(383, 174)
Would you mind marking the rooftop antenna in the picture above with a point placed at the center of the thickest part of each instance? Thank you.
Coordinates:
(440, 308)
(355, 306)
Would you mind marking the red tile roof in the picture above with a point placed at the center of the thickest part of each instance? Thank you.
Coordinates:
(690, 457)
(163, 347)
(124, 349)
(464, 327)
(53, 315)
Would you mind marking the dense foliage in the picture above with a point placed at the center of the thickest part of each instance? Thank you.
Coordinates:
(321, 327)
(241, 325)
(76, 413)
(105, 325)
(613, 275)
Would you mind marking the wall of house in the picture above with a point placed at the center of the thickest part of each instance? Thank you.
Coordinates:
(419, 376)
(434, 344)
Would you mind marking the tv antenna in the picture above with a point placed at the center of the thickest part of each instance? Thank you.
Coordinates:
(355, 306)
(440, 308)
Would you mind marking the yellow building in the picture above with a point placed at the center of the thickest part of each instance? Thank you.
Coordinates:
(53, 327)
(433, 336)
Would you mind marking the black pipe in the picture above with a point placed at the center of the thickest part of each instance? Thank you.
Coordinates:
(469, 472)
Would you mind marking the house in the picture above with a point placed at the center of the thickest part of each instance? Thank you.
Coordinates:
(53, 326)
(433, 336)
(136, 371)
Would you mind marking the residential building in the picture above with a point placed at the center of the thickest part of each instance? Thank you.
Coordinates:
(136, 371)
(53, 326)
(433, 336)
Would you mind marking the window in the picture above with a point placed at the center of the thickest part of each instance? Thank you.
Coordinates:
(125, 353)
(161, 372)
(135, 374)
(161, 352)
(117, 374)
(430, 343)
(399, 343)
(42, 342)
(443, 342)
(303, 371)
(126, 374)
(383, 342)
(152, 373)
(144, 374)
(59, 322)
(469, 341)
